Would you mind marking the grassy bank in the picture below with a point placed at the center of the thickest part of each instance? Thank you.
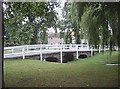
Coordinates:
(88, 72)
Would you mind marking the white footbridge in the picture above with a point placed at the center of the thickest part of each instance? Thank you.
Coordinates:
(40, 49)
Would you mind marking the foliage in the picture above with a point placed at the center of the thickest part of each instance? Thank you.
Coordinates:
(95, 21)
(24, 20)
(65, 25)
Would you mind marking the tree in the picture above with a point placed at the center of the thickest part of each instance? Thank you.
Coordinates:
(94, 20)
(24, 20)
(72, 18)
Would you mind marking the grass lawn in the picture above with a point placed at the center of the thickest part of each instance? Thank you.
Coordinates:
(88, 72)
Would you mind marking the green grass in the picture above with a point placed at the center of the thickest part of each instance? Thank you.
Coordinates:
(90, 72)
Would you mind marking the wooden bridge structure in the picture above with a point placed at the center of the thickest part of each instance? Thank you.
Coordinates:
(46, 49)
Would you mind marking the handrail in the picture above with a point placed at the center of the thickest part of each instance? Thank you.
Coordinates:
(28, 48)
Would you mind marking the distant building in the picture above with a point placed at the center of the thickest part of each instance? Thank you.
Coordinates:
(54, 38)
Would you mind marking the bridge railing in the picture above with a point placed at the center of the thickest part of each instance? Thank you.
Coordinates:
(30, 48)
(24, 50)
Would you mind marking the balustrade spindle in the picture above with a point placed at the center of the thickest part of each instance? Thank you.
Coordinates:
(77, 52)
(91, 52)
(27, 48)
(41, 52)
(23, 52)
(61, 60)
(12, 50)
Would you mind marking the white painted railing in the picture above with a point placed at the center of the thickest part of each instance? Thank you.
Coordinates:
(44, 48)
(27, 48)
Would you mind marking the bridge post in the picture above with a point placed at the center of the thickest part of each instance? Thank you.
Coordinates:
(23, 52)
(77, 52)
(61, 60)
(99, 48)
(27, 48)
(82, 46)
(41, 52)
(12, 50)
(91, 52)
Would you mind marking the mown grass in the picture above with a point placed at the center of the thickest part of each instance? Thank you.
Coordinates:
(88, 72)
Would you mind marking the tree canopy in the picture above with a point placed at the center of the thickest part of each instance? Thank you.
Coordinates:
(25, 22)
(95, 21)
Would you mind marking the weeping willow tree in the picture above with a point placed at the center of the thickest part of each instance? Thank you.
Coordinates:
(71, 20)
(97, 21)
(94, 25)
(75, 17)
